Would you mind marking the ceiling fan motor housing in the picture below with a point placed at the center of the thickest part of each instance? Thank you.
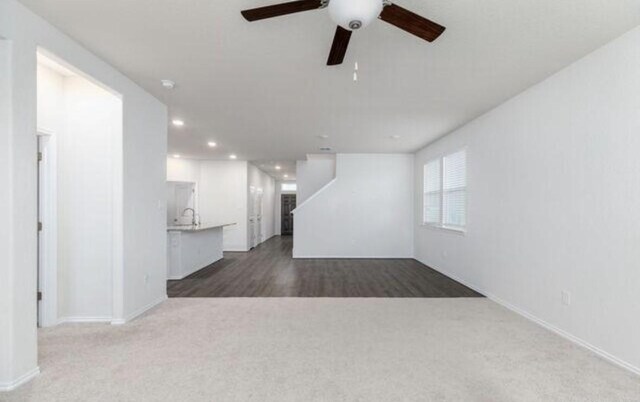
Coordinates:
(354, 14)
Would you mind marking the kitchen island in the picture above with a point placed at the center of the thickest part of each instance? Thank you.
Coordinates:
(193, 247)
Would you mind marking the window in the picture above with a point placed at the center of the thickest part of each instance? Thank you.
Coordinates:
(288, 187)
(445, 192)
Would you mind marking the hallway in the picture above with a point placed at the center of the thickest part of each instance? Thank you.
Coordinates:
(270, 271)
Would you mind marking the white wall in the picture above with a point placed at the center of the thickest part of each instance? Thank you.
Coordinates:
(85, 121)
(366, 212)
(50, 99)
(554, 184)
(183, 170)
(260, 181)
(312, 175)
(86, 160)
(143, 250)
(8, 309)
(222, 197)
(222, 194)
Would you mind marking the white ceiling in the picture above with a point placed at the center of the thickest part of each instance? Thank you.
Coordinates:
(262, 89)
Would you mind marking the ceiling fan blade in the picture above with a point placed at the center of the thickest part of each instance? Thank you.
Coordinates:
(277, 10)
(411, 22)
(339, 47)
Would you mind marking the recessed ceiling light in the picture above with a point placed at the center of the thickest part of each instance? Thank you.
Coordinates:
(211, 144)
(395, 137)
(286, 175)
(278, 167)
(233, 156)
(176, 156)
(178, 122)
(323, 136)
(168, 84)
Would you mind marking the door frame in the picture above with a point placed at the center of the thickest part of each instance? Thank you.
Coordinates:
(282, 215)
(48, 236)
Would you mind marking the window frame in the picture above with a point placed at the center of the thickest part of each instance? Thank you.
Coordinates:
(440, 224)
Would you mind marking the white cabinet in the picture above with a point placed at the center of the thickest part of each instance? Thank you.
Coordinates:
(192, 248)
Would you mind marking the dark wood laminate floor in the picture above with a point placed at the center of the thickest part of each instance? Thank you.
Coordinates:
(269, 271)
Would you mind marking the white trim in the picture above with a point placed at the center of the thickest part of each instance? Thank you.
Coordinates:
(449, 229)
(43, 53)
(353, 257)
(70, 320)
(45, 131)
(566, 335)
(117, 211)
(140, 311)
(28, 376)
(48, 238)
(314, 195)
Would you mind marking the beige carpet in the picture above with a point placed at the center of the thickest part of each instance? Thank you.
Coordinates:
(287, 349)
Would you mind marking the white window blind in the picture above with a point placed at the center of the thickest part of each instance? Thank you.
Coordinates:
(445, 191)
(454, 190)
(432, 192)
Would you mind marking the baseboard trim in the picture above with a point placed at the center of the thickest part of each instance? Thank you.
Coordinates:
(28, 376)
(351, 257)
(140, 311)
(558, 331)
(70, 320)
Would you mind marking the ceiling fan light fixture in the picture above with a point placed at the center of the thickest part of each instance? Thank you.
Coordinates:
(354, 14)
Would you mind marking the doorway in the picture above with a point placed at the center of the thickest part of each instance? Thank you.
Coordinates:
(288, 204)
(79, 198)
(47, 229)
(255, 217)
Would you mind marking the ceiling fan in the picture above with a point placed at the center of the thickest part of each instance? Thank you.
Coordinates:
(351, 15)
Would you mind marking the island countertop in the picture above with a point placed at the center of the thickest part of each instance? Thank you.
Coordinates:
(197, 228)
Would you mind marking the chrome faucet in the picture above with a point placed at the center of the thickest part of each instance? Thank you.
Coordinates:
(194, 222)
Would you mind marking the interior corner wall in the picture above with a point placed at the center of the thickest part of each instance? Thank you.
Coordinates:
(312, 175)
(553, 190)
(144, 150)
(366, 212)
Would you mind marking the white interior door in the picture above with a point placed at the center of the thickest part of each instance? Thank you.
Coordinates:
(47, 291)
(252, 217)
(41, 193)
(258, 214)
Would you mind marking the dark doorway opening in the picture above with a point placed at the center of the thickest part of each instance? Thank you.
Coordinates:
(288, 204)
